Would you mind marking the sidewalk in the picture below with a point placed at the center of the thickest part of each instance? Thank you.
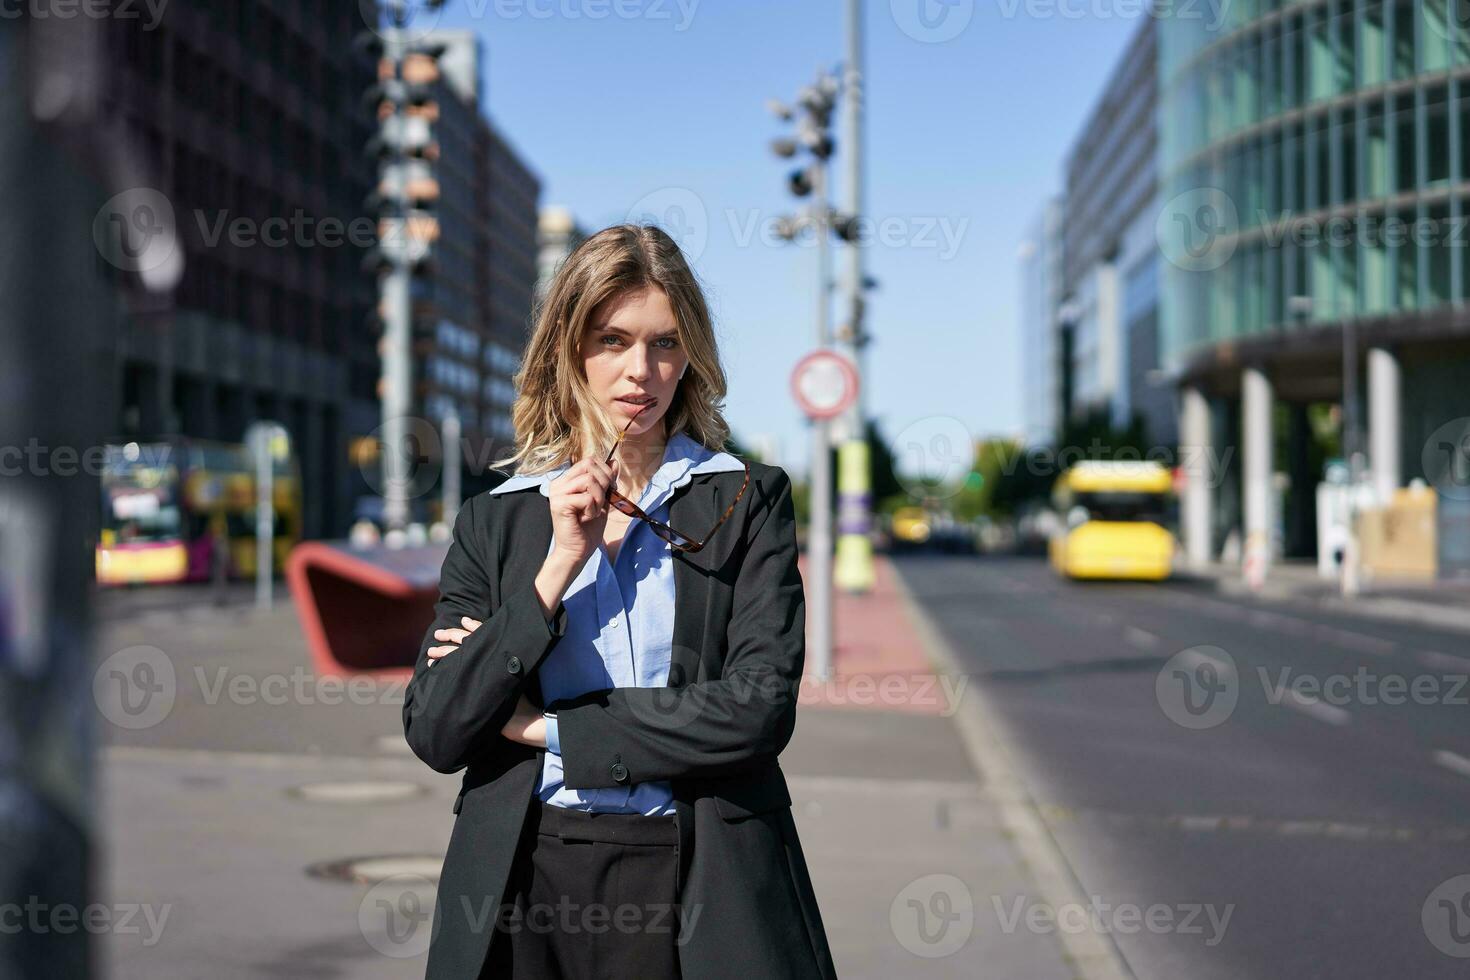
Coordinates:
(898, 826)
(1441, 603)
(298, 837)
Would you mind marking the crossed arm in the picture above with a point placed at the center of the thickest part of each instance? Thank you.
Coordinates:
(453, 704)
(709, 728)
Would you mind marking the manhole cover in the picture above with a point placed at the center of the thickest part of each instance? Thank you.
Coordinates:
(370, 870)
(357, 791)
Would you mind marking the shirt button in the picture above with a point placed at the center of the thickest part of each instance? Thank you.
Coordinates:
(614, 624)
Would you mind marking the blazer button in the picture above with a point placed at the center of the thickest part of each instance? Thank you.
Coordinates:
(513, 665)
(620, 772)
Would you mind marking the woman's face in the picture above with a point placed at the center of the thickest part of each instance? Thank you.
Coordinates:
(631, 351)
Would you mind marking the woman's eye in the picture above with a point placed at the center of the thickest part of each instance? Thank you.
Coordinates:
(670, 341)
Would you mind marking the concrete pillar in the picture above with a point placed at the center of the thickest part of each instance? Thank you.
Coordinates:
(1256, 459)
(1197, 458)
(1384, 422)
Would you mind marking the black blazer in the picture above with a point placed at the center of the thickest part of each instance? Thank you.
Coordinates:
(714, 732)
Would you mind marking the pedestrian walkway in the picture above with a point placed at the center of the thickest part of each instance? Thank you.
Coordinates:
(300, 838)
(877, 659)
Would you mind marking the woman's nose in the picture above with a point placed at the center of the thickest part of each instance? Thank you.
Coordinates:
(638, 363)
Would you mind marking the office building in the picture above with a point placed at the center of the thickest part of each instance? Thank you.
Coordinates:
(1313, 160)
(1039, 255)
(250, 112)
(1109, 277)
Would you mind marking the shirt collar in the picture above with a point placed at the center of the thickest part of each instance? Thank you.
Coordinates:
(684, 459)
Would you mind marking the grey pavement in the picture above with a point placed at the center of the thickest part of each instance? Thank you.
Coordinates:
(1444, 603)
(271, 825)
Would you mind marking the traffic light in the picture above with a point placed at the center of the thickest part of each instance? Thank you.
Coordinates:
(404, 147)
(405, 152)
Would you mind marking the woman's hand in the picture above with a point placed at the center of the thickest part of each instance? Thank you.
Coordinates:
(455, 635)
(526, 724)
(579, 507)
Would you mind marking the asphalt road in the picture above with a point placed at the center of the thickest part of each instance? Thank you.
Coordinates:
(1242, 788)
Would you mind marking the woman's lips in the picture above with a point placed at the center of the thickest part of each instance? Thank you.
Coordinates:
(633, 408)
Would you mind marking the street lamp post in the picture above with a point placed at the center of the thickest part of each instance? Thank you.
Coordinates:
(813, 134)
(854, 560)
(403, 248)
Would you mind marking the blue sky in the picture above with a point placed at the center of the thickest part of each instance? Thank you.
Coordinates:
(663, 101)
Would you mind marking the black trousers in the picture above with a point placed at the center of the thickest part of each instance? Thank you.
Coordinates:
(591, 895)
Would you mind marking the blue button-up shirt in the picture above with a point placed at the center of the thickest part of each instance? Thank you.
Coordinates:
(619, 622)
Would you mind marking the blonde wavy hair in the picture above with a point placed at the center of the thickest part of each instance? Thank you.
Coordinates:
(555, 415)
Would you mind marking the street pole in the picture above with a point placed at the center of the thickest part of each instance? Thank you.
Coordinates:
(813, 135)
(397, 324)
(854, 569)
(450, 485)
(1350, 583)
(819, 543)
(261, 440)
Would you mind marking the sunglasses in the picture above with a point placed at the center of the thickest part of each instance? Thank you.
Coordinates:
(676, 539)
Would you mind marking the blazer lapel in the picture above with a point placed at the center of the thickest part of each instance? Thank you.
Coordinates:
(693, 509)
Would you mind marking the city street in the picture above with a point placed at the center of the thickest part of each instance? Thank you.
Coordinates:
(1283, 790)
(270, 822)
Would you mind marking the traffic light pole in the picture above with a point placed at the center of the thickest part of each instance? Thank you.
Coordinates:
(819, 540)
(854, 563)
(397, 313)
(813, 134)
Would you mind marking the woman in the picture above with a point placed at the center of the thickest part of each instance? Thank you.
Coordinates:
(614, 661)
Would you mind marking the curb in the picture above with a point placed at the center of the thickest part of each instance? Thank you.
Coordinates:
(1366, 605)
(1092, 955)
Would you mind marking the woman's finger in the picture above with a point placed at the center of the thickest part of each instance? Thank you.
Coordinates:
(583, 505)
(452, 633)
(470, 624)
(436, 652)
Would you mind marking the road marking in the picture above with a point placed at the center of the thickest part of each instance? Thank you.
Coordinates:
(1454, 763)
(1309, 705)
(1246, 823)
(1357, 641)
(1141, 638)
(1194, 659)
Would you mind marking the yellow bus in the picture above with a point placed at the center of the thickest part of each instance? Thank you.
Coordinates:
(1115, 519)
(167, 504)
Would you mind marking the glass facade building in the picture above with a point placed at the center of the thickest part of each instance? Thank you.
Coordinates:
(1312, 160)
